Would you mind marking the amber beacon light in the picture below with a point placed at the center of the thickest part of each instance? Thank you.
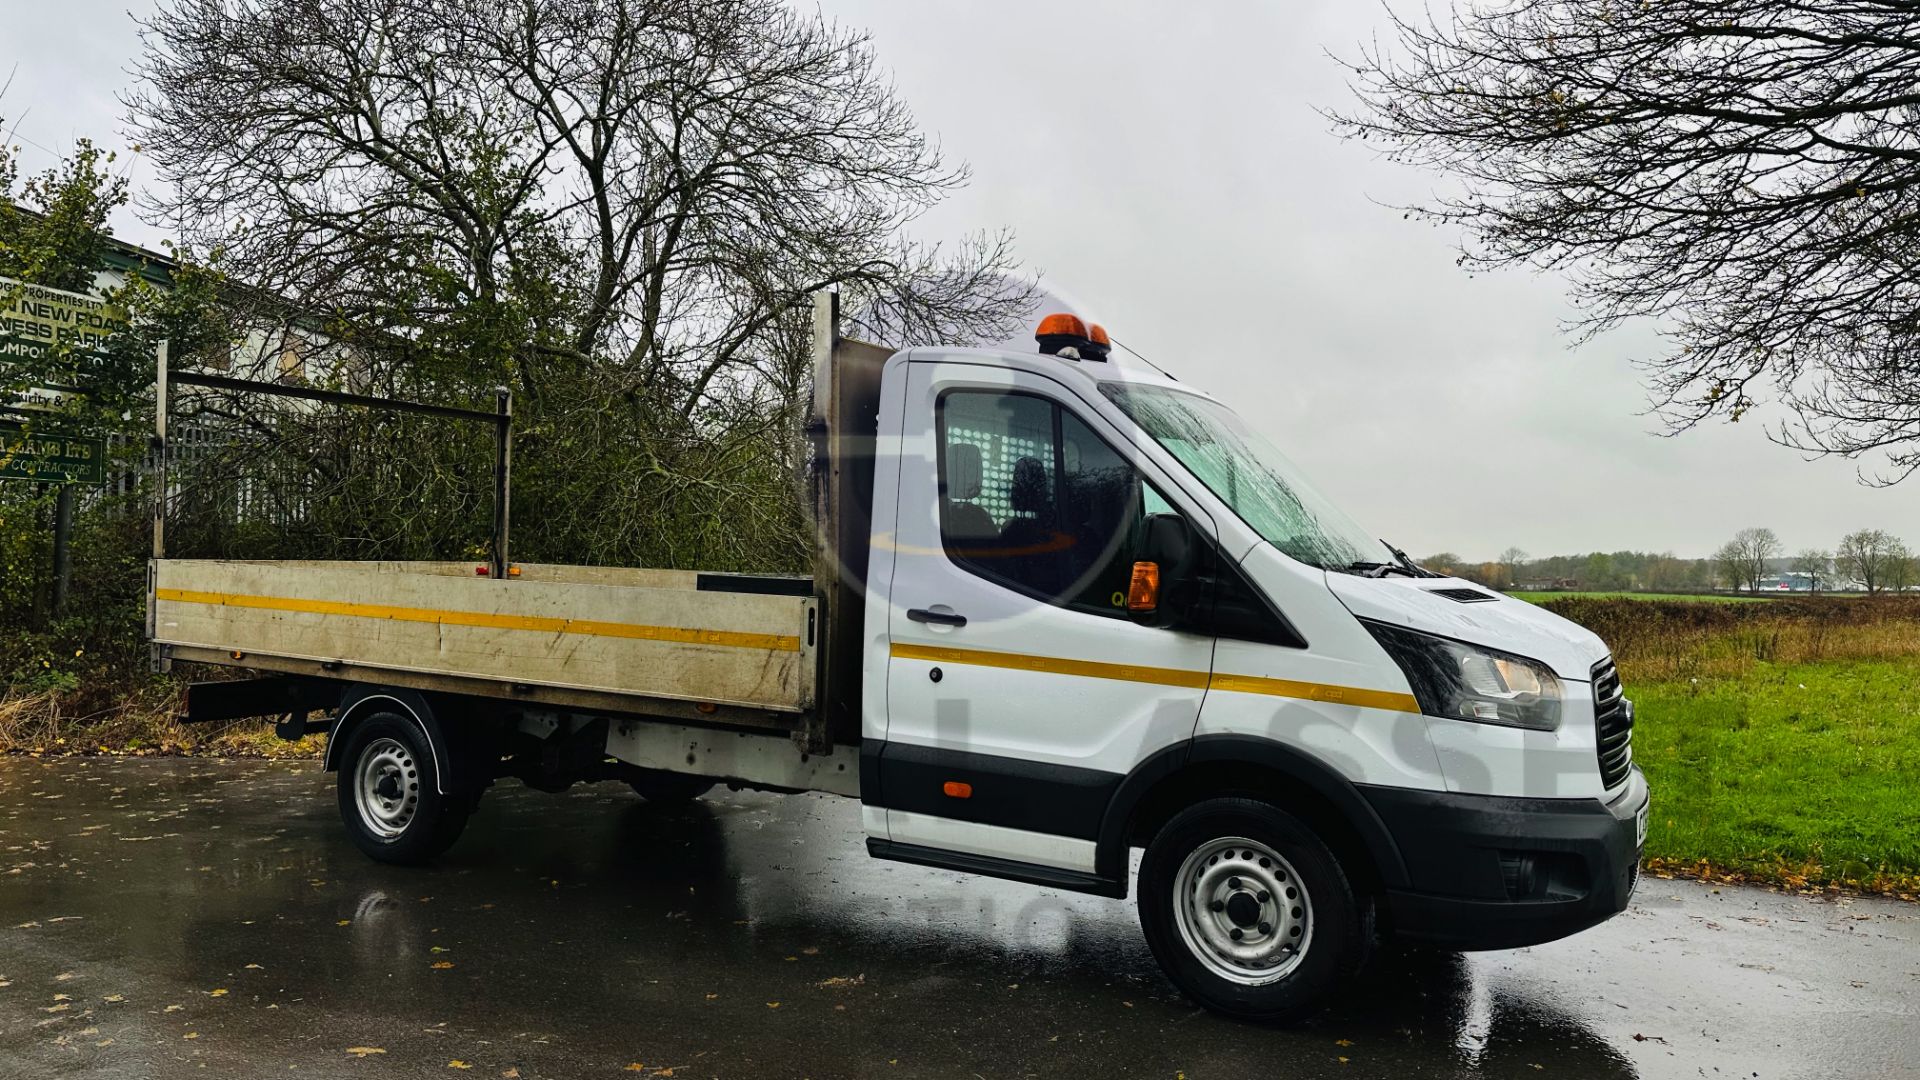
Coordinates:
(1061, 331)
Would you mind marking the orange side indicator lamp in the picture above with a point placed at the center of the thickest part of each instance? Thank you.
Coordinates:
(957, 789)
(1061, 331)
(1143, 592)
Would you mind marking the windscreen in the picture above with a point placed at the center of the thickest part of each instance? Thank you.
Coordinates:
(1250, 475)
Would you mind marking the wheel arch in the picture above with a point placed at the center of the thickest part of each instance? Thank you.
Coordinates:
(360, 701)
(1211, 766)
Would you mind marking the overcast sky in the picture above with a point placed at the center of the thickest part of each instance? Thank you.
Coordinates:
(1171, 173)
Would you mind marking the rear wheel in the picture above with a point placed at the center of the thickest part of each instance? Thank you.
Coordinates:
(1249, 913)
(390, 796)
(669, 788)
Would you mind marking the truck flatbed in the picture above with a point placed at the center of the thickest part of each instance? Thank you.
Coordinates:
(675, 643)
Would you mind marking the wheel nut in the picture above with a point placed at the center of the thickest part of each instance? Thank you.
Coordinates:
(1233, 883)
(1218, 906)
(1235, 932)
(1266, 928)
(1265, 896)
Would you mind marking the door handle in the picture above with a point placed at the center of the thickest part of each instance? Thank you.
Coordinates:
(942, 618)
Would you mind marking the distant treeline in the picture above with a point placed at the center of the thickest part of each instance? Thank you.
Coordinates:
(1865, 560)
(1644, 571)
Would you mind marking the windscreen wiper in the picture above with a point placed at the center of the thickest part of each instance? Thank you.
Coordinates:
(1382, 569)
(1408, 565)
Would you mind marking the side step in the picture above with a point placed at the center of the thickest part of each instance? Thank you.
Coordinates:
(987, 865)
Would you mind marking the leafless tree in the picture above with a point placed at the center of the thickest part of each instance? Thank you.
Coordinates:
(645, 186)
(1743, 559)
(1900, 566)
(1865, 556)
(1814, 563)
(1744, 170)
(1510, 561)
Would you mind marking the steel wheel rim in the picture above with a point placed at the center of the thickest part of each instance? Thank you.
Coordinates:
(1224, 920)
(386, 788)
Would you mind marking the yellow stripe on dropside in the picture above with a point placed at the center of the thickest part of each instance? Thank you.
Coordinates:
(1337, 695)
(1193, 680)
(1053, 665)
(733, 639)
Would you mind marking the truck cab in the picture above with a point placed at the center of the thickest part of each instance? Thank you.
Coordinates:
(1103, 612)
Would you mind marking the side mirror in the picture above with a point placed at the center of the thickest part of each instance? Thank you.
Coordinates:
(1162, 586)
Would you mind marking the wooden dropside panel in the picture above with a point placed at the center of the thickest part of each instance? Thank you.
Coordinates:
(734, 648)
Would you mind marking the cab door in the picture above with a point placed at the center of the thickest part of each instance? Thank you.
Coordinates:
(1018, 691)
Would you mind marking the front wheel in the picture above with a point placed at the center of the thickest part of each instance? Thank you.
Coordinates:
(1249, 913)
(390, 793)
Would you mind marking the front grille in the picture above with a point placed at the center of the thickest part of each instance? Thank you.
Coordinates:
(1613, 725)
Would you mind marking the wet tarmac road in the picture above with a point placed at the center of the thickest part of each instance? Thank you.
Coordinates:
(174, 918)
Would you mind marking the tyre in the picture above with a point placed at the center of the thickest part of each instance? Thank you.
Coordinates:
(390, 794)
(669, 788)
(1249, 913)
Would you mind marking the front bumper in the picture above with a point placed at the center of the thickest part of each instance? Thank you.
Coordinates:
(1487, 872)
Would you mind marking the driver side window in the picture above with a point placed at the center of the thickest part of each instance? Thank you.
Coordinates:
(1032, 499)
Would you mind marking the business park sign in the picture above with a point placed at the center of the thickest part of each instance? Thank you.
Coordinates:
(35, 321)
(38, 324)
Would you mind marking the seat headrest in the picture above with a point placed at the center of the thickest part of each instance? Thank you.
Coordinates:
(963, 471)
(1029, 493)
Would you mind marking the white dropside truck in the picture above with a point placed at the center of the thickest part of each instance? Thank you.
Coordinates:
(1063, 609)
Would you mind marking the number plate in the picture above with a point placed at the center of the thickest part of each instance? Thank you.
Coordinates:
(1640, 824)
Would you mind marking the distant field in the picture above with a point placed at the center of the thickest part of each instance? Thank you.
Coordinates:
(1700, 598)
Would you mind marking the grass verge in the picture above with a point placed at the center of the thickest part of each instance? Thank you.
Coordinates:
(138, 722)
(1794, 774)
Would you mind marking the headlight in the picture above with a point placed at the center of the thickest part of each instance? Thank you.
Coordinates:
(1472, 682)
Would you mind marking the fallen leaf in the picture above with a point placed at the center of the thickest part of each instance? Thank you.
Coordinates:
(773, 1004)
(458, 1064)
(838, 982)
(1343, 1042)
(344, 922)
(364, 1051)
(634, 1066)
(191, 1035)
(217, 993)
(441, 965)
(114, 999)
